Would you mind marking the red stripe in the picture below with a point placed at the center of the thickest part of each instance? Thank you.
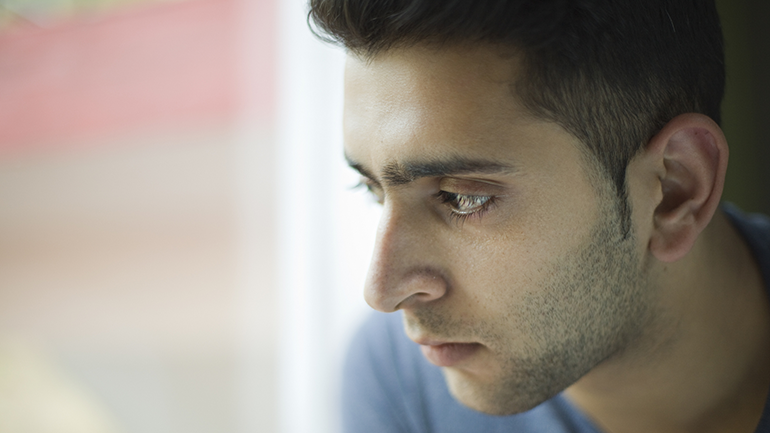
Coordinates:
(165, 66)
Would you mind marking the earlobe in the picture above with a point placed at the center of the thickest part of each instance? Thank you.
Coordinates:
(693, 153)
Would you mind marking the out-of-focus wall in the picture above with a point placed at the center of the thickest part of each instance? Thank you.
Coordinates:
(120, 239)
(746, 107)
(156, 68)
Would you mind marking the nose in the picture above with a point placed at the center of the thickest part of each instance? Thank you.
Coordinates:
(405, 269)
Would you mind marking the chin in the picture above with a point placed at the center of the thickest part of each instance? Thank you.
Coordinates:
(494, 398)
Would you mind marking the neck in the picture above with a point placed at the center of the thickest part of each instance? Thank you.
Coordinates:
(707, 370)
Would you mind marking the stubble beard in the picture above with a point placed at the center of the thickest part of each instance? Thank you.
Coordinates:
(594, 305)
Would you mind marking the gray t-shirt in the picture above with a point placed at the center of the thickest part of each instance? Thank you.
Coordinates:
(389, 387)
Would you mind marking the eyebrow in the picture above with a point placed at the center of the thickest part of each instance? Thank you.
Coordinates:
(395, 173)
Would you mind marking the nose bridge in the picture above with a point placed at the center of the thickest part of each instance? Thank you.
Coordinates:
(403, 270)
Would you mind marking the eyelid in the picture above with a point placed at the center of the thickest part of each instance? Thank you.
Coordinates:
(475, 187)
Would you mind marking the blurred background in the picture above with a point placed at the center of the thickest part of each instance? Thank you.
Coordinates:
(179, 247)
(180, 250)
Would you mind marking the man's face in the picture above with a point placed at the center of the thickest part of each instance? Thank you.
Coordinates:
(504, 254)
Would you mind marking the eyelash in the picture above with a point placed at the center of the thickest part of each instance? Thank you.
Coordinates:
(369, 188)
(451, 199)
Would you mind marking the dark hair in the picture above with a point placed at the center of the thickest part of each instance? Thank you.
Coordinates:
(612, 72)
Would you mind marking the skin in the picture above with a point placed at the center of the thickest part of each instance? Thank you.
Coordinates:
(498, 231)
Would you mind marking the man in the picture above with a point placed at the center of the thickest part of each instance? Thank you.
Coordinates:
(550, 173)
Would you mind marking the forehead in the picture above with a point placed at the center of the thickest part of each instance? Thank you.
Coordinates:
(406, 90)
(424, 103)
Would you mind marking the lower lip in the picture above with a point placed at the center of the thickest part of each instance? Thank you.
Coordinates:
(447, 355)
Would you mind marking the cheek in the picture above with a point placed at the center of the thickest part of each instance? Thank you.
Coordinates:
(494, 271)
(516, 259)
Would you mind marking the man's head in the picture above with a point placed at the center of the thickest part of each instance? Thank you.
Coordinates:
(610, 72)
(506, 158)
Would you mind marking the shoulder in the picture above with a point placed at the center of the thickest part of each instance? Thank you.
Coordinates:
(750, 225)
(383, 379)
(755, 230)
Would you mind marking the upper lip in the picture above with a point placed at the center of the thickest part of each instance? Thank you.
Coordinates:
(425, 342)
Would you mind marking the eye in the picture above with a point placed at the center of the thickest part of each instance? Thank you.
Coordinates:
(463, 205)
(373, 189)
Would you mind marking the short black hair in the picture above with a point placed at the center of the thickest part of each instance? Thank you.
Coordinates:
(612, 72)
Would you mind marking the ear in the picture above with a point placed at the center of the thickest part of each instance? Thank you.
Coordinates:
(691, 155)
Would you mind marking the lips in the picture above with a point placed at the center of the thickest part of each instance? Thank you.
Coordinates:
(448, 354)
